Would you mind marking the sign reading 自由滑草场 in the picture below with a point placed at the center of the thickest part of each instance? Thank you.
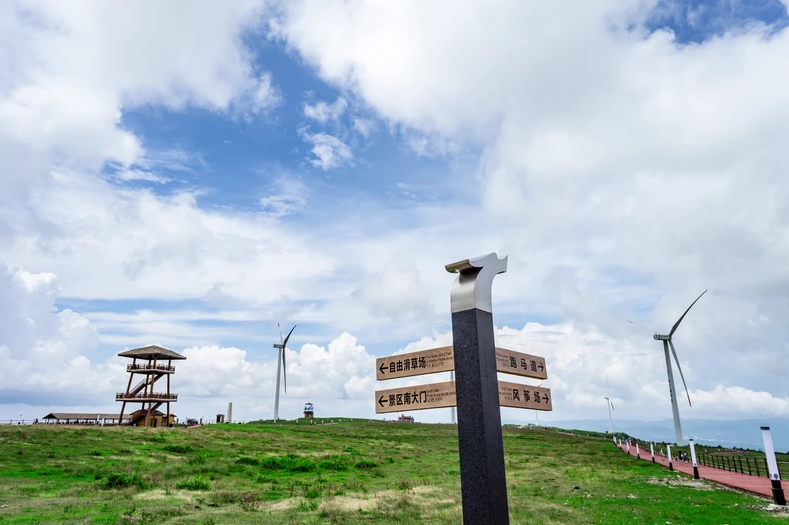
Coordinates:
(442, 395)
(442, 359)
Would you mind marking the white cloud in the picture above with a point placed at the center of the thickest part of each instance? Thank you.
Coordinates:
(287, 196)
(365, 126)
(324, 112)
(329, 151)
(132, 175)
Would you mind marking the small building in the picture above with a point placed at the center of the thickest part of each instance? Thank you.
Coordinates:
(309, 412)
(81, 418)
(220, 418)
(405, 419)
(156, 418)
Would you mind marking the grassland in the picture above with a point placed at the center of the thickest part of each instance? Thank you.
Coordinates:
(348, 473)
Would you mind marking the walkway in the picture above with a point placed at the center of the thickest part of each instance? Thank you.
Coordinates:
(755, 484)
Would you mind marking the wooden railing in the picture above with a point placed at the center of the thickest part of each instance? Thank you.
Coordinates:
(153, 395)
(136, 368)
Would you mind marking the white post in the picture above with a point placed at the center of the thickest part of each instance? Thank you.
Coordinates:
(670, 464)
(693, 458)
(652, 451)
(638, 454)
(614, 440)
(772, 467)
(229, 413)
(628, 447)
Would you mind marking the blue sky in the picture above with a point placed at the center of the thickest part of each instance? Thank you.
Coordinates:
(319, 163)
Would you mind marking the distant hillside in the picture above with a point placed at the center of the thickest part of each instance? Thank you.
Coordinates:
(739, 433)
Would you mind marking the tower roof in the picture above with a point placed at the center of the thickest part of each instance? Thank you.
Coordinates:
(152, 352)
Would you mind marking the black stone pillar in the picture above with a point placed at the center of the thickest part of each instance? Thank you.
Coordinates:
(483, 481)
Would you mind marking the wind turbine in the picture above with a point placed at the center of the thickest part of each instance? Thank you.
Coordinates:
(281, 367)
(610, 406)
(666, 343)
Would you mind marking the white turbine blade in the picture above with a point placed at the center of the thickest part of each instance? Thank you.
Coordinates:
(676, 325)
(285, 342)
(676, 360)
(284, 370)
(280, 333)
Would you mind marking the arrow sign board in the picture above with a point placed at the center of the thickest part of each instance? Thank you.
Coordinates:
(442, 395)
(443, 360)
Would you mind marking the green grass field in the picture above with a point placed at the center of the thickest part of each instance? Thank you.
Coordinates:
(353, 472)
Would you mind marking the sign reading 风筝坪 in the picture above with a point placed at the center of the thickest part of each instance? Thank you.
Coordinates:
(442, 395)
(443, 360)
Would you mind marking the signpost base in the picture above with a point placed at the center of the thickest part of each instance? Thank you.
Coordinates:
(695, 472)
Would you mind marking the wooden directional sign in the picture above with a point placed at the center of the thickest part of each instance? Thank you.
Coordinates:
(443, 360)
(442, 395)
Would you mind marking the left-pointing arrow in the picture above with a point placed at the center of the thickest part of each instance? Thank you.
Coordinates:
(381, 368)
(381, 401)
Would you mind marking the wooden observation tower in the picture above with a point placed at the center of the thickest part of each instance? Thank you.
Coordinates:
(149, 363)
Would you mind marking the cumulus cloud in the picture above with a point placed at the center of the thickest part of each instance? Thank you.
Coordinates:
(324, 112)
(329, 151)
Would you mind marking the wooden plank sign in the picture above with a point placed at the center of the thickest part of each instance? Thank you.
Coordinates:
(442, 395)
(442, 359)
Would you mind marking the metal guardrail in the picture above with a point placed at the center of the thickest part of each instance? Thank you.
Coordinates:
(733, 462)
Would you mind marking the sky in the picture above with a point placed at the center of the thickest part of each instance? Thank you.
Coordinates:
(190, 174)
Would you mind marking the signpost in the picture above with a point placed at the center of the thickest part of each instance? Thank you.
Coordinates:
(442, 395)
(475, 391)
(443, 360)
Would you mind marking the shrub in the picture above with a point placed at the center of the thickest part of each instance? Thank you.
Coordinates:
(122, 481)
(246, 460)
(365, 464)
(178, 449)
(197, 460)
(333, 462)
(193, 484)
(289, 462)
(157, 438)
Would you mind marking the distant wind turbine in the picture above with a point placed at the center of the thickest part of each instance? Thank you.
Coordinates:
(666, 344)
(610, 406)
(281, 366)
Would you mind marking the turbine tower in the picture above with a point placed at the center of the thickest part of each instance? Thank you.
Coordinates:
(610, 406)
(666, 344)
(281, 367)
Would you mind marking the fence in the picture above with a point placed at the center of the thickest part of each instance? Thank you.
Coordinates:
(731, 461)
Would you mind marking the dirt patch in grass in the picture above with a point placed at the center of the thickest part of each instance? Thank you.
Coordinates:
(157, 494)
(682, 482)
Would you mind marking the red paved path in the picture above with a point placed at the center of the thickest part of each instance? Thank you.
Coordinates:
(747, 482)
